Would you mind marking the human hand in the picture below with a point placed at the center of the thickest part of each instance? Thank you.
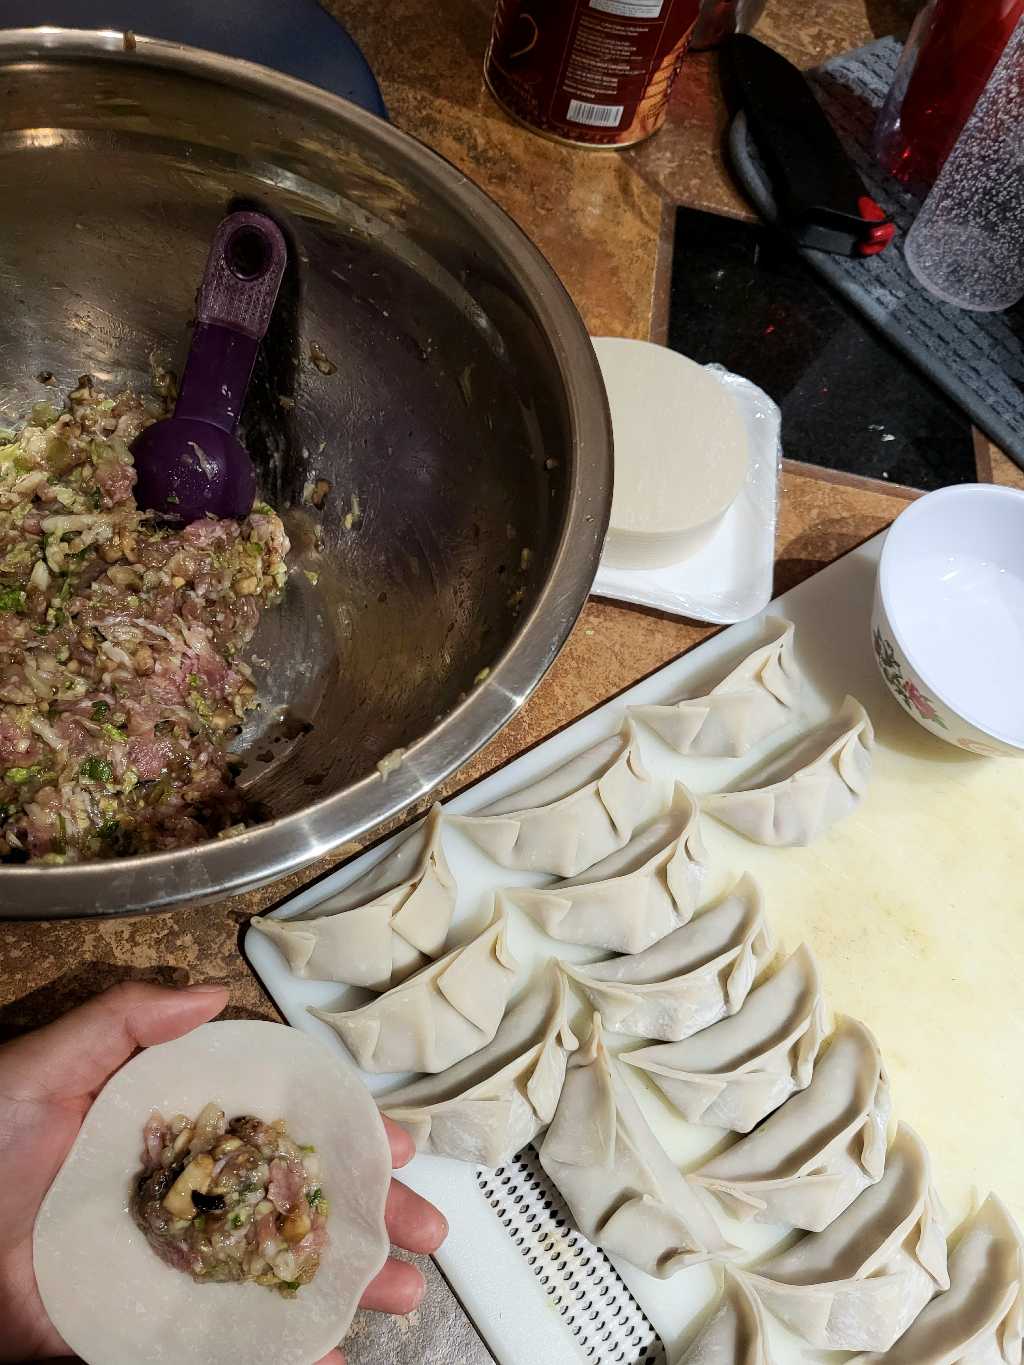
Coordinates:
(49, 1079)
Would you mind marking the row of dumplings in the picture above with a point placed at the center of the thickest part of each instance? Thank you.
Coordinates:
(728, 1046)
(628, 865)
(744, 1047)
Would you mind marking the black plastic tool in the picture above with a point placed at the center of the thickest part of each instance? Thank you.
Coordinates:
(822, 201)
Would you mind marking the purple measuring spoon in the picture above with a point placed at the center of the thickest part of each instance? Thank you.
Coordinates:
(192, 464)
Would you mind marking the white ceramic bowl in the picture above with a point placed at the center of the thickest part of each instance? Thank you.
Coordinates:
(948, 619)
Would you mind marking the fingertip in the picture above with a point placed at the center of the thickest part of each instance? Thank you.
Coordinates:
(209, 997)
(416, 1291)
(399, 1288)
(210, 988)
(162, 1014)
(413, 1222)
(403, 1149)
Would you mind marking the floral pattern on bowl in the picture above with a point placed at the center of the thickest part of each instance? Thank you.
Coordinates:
(950, 594)
(918, 701)
(905, 690)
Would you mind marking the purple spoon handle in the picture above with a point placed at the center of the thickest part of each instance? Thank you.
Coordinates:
(236, 298)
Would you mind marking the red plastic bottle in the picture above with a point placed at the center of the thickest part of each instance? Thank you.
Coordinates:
(950, 54)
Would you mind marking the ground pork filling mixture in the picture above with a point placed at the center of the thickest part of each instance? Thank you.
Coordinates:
(121, 684)
(229, 1202)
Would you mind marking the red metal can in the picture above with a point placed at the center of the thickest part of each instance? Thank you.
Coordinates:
(595, 73)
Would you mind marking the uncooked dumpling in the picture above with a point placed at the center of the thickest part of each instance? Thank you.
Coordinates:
(859, 1285)
(574, 817)
(622, 1189)
(820, 780)
(495, 1102)
(438, 1017)
(633, 897)
(810, 1159)
(384, 926)
(755, 699)
(736, 1334)
(691, 978)
(104, 1288)
(980, 1318)
(735, 1072)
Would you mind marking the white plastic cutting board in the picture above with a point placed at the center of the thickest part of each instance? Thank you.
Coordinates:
(914, 907)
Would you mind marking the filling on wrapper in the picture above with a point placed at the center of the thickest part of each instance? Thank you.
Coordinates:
(121, 676)
(117, 1303)
(231, 1201)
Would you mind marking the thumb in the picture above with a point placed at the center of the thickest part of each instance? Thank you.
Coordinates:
(76, 1054)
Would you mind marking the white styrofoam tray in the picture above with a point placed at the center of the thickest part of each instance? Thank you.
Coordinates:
(730, 578)
(893, 901)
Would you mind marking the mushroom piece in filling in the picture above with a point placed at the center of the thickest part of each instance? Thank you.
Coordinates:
(231, 1201)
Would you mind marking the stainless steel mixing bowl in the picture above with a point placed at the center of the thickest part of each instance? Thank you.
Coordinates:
(424, 361)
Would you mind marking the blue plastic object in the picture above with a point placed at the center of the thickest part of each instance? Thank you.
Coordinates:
(293, 36)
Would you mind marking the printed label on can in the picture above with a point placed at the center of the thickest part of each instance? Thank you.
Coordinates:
(596, 115)
(589, 71)
(630, 9)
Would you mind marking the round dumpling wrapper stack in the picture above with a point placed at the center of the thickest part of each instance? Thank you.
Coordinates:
(105, 1289)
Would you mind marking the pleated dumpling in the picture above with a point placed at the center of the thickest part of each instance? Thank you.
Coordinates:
(735, 1072)
(859, 1285)
(810, 1160)
(438, 1017)
(621, 1188)
(752, 701)
(980, 1318)
(384, 926)
(691, 978)
(799, 796)
(635, 896)
(736, 1334)
(491, 1105)
(573, 817)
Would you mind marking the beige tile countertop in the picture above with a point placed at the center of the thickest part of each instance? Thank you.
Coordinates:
(604, 219)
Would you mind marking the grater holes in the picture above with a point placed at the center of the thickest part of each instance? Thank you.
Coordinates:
(607, 1324)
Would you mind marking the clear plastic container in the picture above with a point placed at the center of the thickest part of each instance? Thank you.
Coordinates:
(967, 243)
(951, 53)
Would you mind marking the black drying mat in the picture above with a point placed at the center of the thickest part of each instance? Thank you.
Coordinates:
(742, 295)
(977, 358)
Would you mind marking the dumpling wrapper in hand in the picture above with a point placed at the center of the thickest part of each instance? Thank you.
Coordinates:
(105, 1289)
(980, 1318)
(624, 1192)
(796, 798)
(859, 1285)
(383, 927)
(573, 817)
(438, 1017)
(737, 1333)
(810, 1160)
(493, 1104)
(758, 697)
(734, 1073)
(689, 979)
(635, 896)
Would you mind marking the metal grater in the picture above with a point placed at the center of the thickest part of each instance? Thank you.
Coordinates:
(609, 1326)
